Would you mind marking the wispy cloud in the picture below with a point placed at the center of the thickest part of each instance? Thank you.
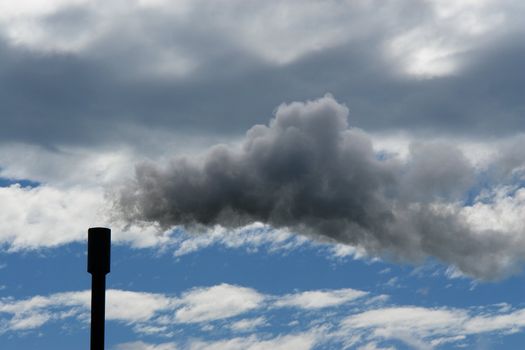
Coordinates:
(336, 317)
(300, 341)
(319, 299)
(139, 345)
(217, 302)
(248, 324)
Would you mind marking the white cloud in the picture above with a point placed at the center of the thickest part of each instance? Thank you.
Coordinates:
(217, 302)
(501, 209)
(139, 345)
(510, 322)
(28, 322)
(252, 237)
(364, 325)
(374, 346)
(47, 216)
(65, 167)
(425, 328)
(149, 312)
(416, 320)
(136, 306)
(434, 47)
(71, 197)
(319, 299)
(248, 324)
(125, 306)
(302, 341)
(343, 251)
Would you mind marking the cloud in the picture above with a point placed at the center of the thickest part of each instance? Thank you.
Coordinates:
(147, 311)
(71, 184)
(421, 321)
(139, 345)
(419, 187)
(319, 299)
(124, 306)
(135, 307)
(248, 324)
(373, 346)
(49, 216)
(252, 237)
(309, 172)
(424, 188)
(303, 341)
(151, 313)
(365, 324)
(41, 216)
(217, 302)
(424, 328)
(140, 73)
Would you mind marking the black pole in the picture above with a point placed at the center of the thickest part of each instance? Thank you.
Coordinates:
(99, 251)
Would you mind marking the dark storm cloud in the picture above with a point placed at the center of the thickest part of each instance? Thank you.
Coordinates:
(106, 88)
(308, 171)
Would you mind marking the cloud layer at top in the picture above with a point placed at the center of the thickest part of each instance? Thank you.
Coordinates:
(309, 172)
(104, 72)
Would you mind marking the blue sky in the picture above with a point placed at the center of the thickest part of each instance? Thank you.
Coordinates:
(262, 281)
(276, 175)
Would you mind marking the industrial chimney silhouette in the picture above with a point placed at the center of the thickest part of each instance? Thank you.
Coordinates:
(98, 261)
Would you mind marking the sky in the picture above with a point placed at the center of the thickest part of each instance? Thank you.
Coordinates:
(319, 174)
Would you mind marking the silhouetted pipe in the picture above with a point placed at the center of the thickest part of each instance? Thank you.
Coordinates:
(99, 251)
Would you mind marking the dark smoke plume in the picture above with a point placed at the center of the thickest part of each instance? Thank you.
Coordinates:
(308, 171)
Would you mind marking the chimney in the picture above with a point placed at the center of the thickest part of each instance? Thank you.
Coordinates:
(98, 261)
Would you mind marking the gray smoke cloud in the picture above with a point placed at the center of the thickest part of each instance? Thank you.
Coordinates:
(310, 172)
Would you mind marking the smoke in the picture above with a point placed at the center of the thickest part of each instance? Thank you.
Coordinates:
(310, 172)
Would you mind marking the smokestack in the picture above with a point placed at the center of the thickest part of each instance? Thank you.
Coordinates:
(98, 261)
